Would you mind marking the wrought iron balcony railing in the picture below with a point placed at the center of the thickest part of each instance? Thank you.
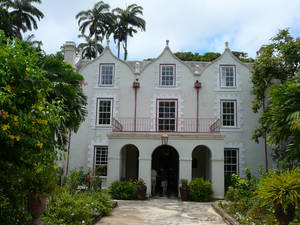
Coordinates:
(179, 125)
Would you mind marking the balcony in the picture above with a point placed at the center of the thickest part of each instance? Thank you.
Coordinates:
(180, 125)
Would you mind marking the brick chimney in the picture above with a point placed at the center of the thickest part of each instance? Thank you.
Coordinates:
(70, 52)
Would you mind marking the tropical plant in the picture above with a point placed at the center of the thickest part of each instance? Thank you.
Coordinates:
(282, 189)
(123, 190)
(128, 21)
(98, 21)
(200, 190)
(19, 16)
(90, 48)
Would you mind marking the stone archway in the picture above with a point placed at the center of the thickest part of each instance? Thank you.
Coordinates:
(201, 162)
(165, 163)
(129, 162)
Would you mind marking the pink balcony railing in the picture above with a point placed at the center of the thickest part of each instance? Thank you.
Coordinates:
(182, 125)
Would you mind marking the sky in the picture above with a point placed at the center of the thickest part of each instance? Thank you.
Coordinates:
(190, 25)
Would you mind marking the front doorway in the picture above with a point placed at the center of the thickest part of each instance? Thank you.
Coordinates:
(129, 162)
(165, 170)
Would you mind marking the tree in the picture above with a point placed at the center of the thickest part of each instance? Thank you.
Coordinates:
(243, 56)
(26, 126)
(127, 22)
(88, 47)
(98, 21)
(189, 56)
(282, 121)
(19, 16)
(279, 61)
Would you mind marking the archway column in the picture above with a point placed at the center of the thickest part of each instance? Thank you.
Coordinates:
(113, 170)
(145, 172)
(185, 171)
(218, 177)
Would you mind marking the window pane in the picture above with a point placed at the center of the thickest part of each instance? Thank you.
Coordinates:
(104, 111)
(167, 75)
(228, 114)
(106, 74)
(230, 161)
(100, 160)
(167, 115)
(227, 76)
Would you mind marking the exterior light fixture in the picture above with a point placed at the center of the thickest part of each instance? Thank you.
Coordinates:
(164, 139)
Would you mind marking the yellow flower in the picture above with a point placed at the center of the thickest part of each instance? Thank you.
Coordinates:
(5, 115)
(55, 166)
(17, 138)
(42, 121)
(11, 136)
(5, 127)
(15, 118)
(8, 87)
(39, 144)
(40, 108)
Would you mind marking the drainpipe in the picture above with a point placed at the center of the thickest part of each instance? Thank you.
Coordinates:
(197, 86)
(136, 86)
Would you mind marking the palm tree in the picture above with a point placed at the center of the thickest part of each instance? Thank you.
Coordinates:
(88, 47)
(128, 21)
(97, 20)
(20, 14)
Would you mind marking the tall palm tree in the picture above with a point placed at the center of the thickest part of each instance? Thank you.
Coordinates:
(21, 15)
(129, 20)
(90, 47)
(97, 20)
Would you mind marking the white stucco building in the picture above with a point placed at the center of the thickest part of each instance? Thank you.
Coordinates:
(191, 119)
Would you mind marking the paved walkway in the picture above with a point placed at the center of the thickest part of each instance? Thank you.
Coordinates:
(162, 212)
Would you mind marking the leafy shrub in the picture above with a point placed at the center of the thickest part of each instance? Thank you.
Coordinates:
(123, 190)
(65, 208)
(81, 178)
(200, 190)
(282, 189)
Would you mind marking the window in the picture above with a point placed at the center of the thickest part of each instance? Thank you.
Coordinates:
(100, 160)
(106, 74)
(104, 108)
(227, 78)
(231, 158)
(167, 75)
(228, 113)
(167, 115)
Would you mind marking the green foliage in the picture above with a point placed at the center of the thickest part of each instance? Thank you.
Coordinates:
(123, 190)
(243, 56)
(72, 209)
(281, 187)
(189, 56)
(184, 182)
(200, 190)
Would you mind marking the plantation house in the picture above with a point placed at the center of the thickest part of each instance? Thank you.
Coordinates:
(184, 119)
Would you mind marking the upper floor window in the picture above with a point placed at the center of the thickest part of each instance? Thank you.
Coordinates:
(228, 113)
(166, 115)
(167, 75)
(106, 74)
(227, 76)
(100, 160)
(104, 111)
(231, 158)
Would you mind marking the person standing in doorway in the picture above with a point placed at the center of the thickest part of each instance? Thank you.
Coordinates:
(164, 181)
(153, 181)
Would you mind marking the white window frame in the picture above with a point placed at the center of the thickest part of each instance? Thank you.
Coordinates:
(223, 77)
(101, 159)
(161, 68)
(158, 118)
(101, 75)
(231, 163)
(234, 101)
(98, 112)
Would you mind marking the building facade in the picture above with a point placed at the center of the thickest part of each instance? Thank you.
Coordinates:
(180, 119)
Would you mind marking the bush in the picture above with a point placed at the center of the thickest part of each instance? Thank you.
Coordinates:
(200, 190)
(123, 190)
(65, 208)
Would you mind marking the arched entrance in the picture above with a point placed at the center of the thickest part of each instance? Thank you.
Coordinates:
(201, 162)
(165, 164)
(129, 162)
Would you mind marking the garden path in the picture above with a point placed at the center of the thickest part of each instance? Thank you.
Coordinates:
(162, 212)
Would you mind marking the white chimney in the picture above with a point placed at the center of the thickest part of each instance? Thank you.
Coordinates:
(70, 52)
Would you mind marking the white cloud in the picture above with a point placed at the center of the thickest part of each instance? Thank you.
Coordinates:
(190, 25)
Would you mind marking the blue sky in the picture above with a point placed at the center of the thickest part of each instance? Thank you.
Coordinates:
(190, 25)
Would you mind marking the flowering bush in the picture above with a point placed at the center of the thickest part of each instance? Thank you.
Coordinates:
(79, 208)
